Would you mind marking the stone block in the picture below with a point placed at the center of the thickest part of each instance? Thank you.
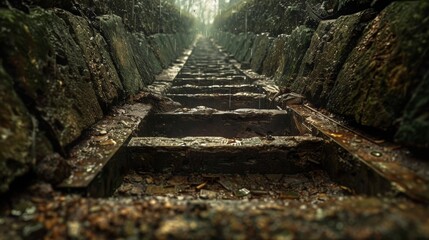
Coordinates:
(50, 72)
(246, 48)
(121, 51)
(272, 61)
(385, 67)
(330, 46)
(105, 79)
(147, 53)
(162, 48)
(259, 51)
(292, 56)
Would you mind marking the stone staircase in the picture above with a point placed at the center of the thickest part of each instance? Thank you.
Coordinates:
(231, 151)
(230, 163)
(226, 125)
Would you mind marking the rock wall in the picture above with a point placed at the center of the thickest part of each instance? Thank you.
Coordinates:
(364, 60)
(64, 64)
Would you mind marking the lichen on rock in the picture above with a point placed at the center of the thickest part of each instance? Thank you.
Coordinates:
(384, 68)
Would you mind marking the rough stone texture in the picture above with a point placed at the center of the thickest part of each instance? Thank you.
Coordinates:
(163, 49)
(380, 74)
(414, 129)
(56, 66)
(140, 55)
(246, 47)
(78, 106)
(292, 56)
(329, 48)
(271, 62)
(15, 133)
(236, 44)
(49, 72)
(259, 51)
(239, 45)
(288, 155)
(121, 51)
(105, 79)
(149, 55)
(158, 50)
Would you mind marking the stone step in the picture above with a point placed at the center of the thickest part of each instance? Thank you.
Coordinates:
(278, 154)
(99, 160)
(210, 122)
(218, 67)
(195, 61)
(207, 81)
(208, 74)
(224, 101)
(221, 89)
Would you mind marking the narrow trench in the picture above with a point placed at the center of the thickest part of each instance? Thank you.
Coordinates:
(227, 142)
(145, 138)
(227, 164)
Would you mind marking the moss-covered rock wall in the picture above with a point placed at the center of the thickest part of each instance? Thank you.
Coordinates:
(64, 64)
(364, 60)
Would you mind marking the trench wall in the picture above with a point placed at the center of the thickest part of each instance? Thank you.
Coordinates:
(366, 61)
(65, 64)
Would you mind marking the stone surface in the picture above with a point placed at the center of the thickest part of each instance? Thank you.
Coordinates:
(141, 55)
(105, 79)
(72, 77)
(224, 38)
(57, 75)
(414, 128)
(293, 53)
(162, 48)
(243, 54)
(239, 45)
(121, 51)
(329, 48)
(148, 53)
(222, 89)
(259, 51)
(50, 73)
(235, 43)
(278, 154)
(222, 101)
(15, 133)
(211, 122)
(383, 70)
(271, 62)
